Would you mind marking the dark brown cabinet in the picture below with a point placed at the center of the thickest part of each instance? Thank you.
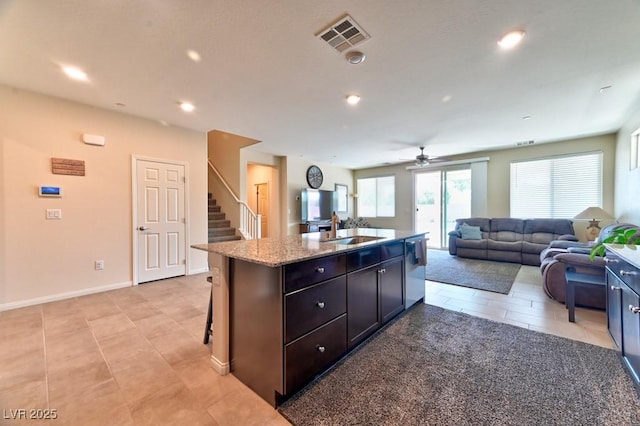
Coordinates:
(362, 309)
(375, 293)
(623, 311)
(290, 323)
(391, 287)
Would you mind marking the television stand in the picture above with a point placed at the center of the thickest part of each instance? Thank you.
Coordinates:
(315, 226)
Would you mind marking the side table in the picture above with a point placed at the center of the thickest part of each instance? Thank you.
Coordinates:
(577, 279)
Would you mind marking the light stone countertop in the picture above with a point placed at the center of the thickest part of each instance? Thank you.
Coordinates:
(630, 253)
(278, 251)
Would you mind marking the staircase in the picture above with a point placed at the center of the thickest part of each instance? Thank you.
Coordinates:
(219, 226)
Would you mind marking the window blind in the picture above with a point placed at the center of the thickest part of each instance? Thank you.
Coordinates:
(376, 197)
(557, 187)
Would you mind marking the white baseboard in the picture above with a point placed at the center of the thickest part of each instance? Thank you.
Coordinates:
(61, 296)
(198, 271)
(222, 368)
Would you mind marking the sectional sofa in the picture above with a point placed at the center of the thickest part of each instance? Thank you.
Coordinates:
(507, 239)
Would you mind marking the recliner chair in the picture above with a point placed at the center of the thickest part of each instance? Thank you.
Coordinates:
(555, 259)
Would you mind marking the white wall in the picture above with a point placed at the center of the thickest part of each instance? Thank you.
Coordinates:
(627, 180)
(43, 259)
(296, 179)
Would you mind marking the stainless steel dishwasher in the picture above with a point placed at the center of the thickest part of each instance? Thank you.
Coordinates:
(415, 259)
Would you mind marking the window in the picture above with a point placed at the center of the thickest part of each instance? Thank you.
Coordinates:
(377, 197)
(635, 150)
(558, 187)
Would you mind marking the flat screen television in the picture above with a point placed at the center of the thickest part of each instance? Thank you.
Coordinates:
(316, 204)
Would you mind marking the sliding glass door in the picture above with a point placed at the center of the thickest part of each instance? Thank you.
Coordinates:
(440, 198)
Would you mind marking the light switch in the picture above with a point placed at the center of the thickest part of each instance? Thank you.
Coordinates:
(54, 214)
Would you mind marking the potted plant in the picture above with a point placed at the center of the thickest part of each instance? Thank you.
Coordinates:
(618, 236)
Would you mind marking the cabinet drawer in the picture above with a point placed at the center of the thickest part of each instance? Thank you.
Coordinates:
(362, 258)
(392, 249)
(628, 273)
(309, 308)
(311, 354)
(308, 272)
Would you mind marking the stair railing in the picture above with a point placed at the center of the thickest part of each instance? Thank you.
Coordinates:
(250, 223)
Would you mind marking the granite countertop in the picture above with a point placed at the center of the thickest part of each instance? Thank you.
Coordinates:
(278, 251)
(630, 253)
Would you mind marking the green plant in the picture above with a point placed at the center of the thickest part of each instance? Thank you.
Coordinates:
(618, 236)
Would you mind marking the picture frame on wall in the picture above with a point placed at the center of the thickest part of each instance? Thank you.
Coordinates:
(342, 198)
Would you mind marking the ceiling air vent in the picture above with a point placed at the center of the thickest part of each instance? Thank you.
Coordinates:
(343, 34)
(523, 143)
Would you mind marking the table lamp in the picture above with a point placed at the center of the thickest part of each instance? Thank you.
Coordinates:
(594, 215)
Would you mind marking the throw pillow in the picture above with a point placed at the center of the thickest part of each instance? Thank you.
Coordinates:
(469, 232)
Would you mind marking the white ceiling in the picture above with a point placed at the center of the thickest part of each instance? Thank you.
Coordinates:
(265, 75)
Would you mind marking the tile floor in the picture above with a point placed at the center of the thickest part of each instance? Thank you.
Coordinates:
(135, 356)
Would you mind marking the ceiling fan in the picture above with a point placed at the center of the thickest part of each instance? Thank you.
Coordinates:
(422, 159)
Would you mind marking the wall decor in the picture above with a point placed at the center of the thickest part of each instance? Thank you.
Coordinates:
(342, 198)
(63, 166)
(314, 177)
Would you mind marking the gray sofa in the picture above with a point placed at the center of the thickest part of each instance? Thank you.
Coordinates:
(508, 239)
(561, 254)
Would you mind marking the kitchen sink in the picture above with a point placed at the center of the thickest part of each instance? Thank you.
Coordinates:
(358, 239)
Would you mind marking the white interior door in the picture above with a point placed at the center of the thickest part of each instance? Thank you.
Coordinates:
(160, 224)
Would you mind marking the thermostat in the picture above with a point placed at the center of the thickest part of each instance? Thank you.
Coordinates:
(50, 191)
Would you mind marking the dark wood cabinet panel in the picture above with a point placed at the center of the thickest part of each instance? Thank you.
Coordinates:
(631, 331)
(392, 249)
(391, 288)
(309, 308)
(308, 272)
(312, 353)
(362, 304)
(623, 311)
(362, 258)
(614, 308)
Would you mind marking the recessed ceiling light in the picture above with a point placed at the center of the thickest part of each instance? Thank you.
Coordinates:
(187, 107)
(194, 56)
(511, 39)
(75, 73)
(446, 98)
(353, 99)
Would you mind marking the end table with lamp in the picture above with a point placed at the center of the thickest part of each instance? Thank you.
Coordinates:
(594, 215)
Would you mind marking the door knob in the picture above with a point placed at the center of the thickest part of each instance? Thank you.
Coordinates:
(143, 228)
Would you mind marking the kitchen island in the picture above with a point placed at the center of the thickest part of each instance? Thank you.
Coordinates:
(286, 309)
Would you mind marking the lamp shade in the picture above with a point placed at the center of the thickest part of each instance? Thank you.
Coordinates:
(593, 213)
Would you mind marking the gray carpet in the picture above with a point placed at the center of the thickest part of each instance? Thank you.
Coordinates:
(481, 274)
(439, 367)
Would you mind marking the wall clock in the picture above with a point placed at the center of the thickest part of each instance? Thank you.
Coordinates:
(314, 177)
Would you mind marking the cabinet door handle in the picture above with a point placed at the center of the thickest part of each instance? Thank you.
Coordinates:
(320, 348)
(320, 269)
(382, 271)
(614, 288)
(608, 260)
(320, 304)
(629, 273)
(634, 309)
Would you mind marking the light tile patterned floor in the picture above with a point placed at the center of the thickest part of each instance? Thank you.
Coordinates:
(525, 306)
(134, 356)
(126, 357)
